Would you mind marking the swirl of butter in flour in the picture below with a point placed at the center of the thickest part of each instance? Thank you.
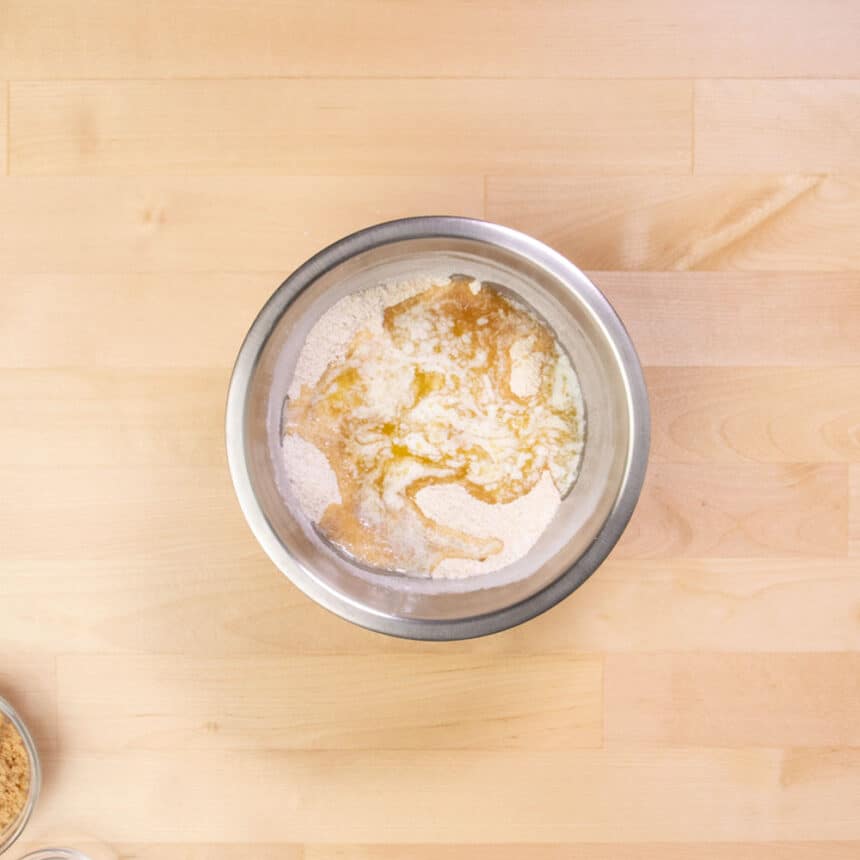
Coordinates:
(461, 386)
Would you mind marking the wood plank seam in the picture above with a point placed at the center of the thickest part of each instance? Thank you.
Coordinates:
(210, 126)
(763, 125)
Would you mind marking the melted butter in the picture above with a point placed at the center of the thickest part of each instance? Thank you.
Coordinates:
(429, 401)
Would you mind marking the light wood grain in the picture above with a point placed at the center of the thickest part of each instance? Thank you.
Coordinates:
(595, 38)
(213, 852)
(53, 323)
(29, 683)
(224, 605)
(538, 851)
(464, 796)
(752, 222)
(744, 414)
(703, 319)
(854, 512)
(4, 125)
(591, 851)
(223, 224)
(340, 702)
(262, 851)
(372, 126)
(777, 126)
(112, 418)
(174, 851)
(737, 700)
(740, 511)
(121, 512)
(713, 605)
(219, 604)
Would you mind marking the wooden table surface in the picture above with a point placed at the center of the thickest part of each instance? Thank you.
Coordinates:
(164, 165)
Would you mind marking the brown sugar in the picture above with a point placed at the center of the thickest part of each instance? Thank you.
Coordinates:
(14, 774)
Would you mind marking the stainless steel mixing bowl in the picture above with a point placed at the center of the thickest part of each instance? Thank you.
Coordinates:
(591, 518)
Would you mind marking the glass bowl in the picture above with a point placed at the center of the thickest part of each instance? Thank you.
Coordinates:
(11, 834)
(591, 517)
(56, 854)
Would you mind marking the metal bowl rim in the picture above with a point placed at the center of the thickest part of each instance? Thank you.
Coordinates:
(537, 253)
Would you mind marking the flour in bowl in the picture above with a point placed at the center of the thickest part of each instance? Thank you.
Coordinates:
(432, 427)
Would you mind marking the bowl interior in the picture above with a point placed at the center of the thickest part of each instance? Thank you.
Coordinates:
(577, 314)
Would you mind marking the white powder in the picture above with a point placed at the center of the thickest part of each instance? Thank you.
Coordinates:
(517, 524)
(312, 480)
(525, 368)
(332, 332)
